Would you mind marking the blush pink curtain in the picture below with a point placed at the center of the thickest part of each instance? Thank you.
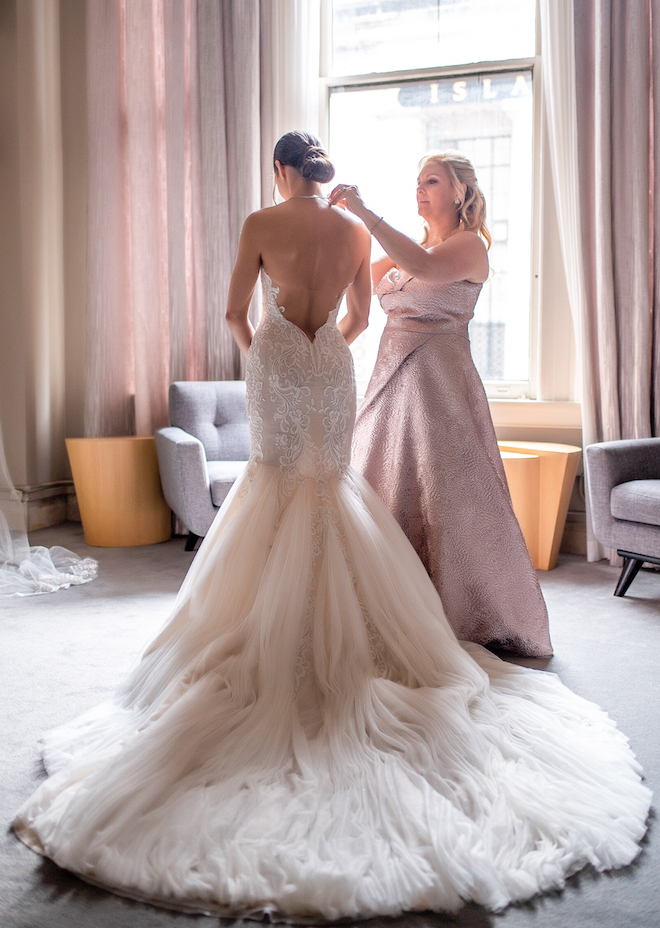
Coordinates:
(601, 70)
(617, 60)
(174, 169)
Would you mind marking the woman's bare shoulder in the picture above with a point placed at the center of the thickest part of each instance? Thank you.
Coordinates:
(469, 239)
(263, 216)
(462, 256)
(347, 217)
(468, 244)
(352, 224)
(262, 224)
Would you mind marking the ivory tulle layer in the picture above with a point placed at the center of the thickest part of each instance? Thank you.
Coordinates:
(307, 739)
(36, 569)
(29, 569)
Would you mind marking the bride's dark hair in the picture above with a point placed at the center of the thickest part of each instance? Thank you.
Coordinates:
(303, 151)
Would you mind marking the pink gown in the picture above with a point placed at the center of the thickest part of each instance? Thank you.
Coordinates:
(424, 439)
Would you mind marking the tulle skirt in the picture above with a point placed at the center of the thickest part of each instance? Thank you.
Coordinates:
(306, 739)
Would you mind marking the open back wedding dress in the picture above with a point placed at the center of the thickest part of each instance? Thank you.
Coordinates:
(306, 738)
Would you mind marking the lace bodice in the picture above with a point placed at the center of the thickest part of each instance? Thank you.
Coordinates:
(300, 394)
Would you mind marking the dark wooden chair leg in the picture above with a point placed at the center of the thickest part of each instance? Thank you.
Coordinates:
(631, 567)
(192, 540)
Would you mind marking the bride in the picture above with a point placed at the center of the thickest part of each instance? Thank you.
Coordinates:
(306, 738)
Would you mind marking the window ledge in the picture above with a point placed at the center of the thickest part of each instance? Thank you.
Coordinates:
(535, 414)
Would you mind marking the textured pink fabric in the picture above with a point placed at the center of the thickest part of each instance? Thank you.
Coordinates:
(424, 440)
(174, 139)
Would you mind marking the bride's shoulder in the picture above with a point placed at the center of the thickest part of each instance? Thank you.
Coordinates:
(269, 217)
(351, 223)
(346, 216)
(260, 222)
(260, 216)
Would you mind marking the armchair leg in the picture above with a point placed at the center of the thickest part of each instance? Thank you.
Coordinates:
(192, 540)
(631, 567)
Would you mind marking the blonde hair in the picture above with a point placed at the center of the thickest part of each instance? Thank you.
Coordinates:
(472, 208)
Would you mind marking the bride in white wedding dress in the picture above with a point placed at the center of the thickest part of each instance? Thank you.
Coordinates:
(306, 738)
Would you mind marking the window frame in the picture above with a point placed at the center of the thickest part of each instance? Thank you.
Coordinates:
(495, 389)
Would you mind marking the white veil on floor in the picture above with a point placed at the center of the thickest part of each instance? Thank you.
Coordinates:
(25, 569)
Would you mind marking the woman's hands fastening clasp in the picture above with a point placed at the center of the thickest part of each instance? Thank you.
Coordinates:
(346, 195)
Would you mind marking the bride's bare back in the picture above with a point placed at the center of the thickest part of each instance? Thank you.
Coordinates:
(312, 252)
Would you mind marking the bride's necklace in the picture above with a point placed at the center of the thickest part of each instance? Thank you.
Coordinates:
(309, 196)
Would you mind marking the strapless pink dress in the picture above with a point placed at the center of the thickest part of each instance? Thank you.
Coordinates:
(424, 439)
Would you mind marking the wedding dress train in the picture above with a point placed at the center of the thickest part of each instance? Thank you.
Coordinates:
(306, 738)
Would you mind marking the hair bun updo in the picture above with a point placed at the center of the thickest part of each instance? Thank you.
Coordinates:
(316, 165)
(303, 152)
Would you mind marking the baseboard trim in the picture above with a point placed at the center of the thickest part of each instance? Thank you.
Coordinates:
(574, 539)
(47, 504)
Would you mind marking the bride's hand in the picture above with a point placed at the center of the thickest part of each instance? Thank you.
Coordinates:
(346, 196)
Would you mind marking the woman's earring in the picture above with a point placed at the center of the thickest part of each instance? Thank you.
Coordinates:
(457, 202)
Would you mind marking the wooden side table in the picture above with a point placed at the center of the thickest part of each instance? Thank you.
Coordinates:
(540, 493)
(118, 489)
(523, 474)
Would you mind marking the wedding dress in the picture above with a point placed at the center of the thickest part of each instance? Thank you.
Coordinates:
(306, 738)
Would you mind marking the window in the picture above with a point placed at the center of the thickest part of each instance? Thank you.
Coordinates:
(408, 76)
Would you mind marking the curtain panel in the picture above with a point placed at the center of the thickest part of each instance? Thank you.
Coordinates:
(601, 69)
(616, 68)
(186, 99)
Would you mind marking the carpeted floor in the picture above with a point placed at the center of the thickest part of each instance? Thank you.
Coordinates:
(63, 652)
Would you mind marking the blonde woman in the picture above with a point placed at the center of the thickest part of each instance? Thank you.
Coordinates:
(424, 438)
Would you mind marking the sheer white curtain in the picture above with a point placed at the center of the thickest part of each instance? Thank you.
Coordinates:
(229, 38)
(26, 568)
(601, 61)
(186, 100)
(290, 91)
(559, 93)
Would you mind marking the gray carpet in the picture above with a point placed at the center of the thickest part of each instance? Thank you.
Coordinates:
(63, 652)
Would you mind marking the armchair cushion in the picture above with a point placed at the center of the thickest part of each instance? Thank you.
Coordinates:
(637, 501)
(612, 464)
(222, 475)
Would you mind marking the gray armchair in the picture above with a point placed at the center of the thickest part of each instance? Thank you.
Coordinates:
(623, 480)
(203, 451)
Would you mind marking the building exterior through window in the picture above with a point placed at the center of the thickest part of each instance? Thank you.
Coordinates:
(410, 76)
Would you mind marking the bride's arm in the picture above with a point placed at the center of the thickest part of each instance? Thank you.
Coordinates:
(243, 281)
(358, 296)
